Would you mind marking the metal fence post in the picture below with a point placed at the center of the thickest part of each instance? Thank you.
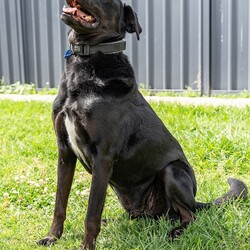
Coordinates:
(206, 47)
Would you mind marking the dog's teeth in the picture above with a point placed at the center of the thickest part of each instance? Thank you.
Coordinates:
(89, 18)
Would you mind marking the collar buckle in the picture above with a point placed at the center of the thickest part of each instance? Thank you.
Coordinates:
(85, 50)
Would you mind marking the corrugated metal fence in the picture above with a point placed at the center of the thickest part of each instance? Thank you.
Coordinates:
(201, 44)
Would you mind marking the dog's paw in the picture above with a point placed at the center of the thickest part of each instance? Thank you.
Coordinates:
(175, 233)
(87, 247)
(48, 241)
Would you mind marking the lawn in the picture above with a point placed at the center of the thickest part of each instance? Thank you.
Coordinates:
(216, 141)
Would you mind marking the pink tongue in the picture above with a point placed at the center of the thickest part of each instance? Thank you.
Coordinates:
(69, 10)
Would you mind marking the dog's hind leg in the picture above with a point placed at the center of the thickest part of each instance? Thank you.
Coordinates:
(66, 169)
(180, 189)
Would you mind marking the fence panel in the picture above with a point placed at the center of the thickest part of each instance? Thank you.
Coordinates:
(201, 44)
(32, 42)
(230, 53)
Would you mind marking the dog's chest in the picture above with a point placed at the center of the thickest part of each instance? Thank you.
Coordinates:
(74, 140)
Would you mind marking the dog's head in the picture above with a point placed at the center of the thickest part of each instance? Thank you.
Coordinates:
(98, 21)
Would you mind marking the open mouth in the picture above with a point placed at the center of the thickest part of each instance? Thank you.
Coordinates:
(76, 11)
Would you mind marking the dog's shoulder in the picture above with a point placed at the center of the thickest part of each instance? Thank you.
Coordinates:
(61, 96)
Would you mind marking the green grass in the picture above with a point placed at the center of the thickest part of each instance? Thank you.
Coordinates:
(216, 141)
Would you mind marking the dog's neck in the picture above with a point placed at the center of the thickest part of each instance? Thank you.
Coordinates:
(106, 48)
(81, 47)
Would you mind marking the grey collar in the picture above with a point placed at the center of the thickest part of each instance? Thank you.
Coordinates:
(106, 48)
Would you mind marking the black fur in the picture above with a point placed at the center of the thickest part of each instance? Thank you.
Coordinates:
(101, 118)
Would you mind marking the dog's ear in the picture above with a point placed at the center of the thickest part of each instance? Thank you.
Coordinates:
(131, 21)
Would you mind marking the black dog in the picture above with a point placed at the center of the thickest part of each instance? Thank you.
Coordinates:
(100, 118)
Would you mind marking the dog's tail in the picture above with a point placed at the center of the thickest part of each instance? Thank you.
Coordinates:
(238, 190)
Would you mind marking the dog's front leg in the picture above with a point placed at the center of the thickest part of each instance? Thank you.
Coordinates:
(66, 169)
(100, 177)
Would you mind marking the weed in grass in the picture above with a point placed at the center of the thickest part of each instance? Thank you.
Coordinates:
(216, 141)
(17, 88)
(25, 89)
